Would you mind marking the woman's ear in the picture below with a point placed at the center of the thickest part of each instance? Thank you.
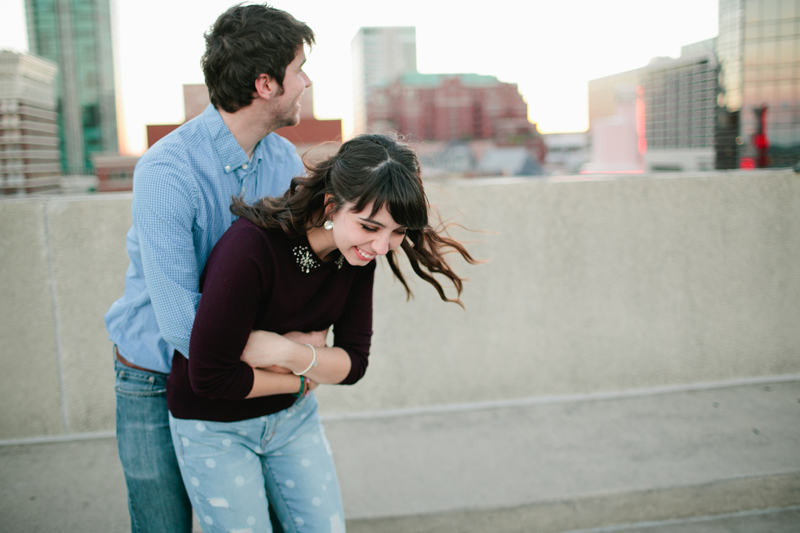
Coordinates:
(329, 204)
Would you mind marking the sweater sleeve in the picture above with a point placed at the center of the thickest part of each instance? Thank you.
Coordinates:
(353, 330)
(237, 273)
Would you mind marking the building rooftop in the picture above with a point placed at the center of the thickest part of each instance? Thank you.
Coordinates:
(417, 79)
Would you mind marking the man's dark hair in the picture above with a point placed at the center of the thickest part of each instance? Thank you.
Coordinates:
(245, 42)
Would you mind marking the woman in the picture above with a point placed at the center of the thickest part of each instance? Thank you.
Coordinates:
(245, 428)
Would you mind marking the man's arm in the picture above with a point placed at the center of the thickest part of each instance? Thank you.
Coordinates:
(164, 210)
(165, 200)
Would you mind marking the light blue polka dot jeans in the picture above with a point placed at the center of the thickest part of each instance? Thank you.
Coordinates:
(233, 472)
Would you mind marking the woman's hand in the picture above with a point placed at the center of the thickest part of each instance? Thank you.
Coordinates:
(264, 349)
(267, 350)
(314, 338)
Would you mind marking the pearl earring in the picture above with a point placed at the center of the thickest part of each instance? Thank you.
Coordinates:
(328, 225)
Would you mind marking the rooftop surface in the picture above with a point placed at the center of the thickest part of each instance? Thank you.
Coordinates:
(713, 459)
(629, 355)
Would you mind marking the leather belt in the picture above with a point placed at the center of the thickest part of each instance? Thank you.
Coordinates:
(128, 363)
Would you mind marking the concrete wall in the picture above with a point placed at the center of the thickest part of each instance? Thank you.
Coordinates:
(589, 286)
(62, 264)
(684, 159)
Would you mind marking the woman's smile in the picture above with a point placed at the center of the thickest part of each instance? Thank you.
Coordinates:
(364, 256)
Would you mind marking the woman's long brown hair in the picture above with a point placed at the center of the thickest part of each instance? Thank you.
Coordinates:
(368, 168)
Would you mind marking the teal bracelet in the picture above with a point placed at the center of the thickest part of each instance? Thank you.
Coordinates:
(302, 391)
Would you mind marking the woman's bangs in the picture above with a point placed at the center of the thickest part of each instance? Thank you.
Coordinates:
(401, 192)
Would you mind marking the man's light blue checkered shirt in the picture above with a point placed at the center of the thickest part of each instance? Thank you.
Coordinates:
(182, 189)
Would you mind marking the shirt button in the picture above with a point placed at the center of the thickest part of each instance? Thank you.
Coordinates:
(227, 168)
(244, 166)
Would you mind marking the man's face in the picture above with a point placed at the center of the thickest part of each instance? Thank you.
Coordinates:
(286, 107)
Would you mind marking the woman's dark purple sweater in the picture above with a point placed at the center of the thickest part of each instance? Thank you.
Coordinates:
(265, 280)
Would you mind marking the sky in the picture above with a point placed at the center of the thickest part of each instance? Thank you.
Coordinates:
(550, 49)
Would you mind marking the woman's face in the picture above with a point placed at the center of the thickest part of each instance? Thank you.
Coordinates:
(362, 236)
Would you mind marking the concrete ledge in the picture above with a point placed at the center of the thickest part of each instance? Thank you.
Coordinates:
(722, 497)
(523, 456)
(591, 287)
(543, 467)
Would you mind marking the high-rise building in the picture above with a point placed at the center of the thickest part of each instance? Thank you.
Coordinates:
(680, 97)
(76, 35)
(380, 54)
(29, 157)
(758, 122)
(666, 109)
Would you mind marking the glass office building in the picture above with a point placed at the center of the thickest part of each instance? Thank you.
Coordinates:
(758, 114)
(380, 54)
(76, 35)
(680, 100)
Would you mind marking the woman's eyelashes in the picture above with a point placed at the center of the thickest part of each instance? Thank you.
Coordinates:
(373, 229)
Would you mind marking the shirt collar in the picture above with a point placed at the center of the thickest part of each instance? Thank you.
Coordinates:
(306, 261)
(228, 150)
(258, 152)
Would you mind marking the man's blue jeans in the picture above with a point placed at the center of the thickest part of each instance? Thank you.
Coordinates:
(157, 499)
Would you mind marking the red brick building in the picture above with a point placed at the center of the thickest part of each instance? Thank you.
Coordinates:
(309, 133)
(114, 172)
(450, 107)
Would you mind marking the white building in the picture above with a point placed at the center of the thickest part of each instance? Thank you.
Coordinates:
(380, 54)
(567, 152)
(29, 154)
(617, 140)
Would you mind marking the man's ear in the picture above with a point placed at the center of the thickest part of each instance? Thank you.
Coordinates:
(266, 87)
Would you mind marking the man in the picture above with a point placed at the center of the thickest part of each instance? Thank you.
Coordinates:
(182, 189)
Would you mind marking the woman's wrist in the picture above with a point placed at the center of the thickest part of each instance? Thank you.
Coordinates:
(304, 358)
(267, 383)
(303, 388)
(313, 362)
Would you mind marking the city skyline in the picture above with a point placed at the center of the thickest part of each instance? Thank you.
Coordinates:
(550, 51)
(78, 39)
